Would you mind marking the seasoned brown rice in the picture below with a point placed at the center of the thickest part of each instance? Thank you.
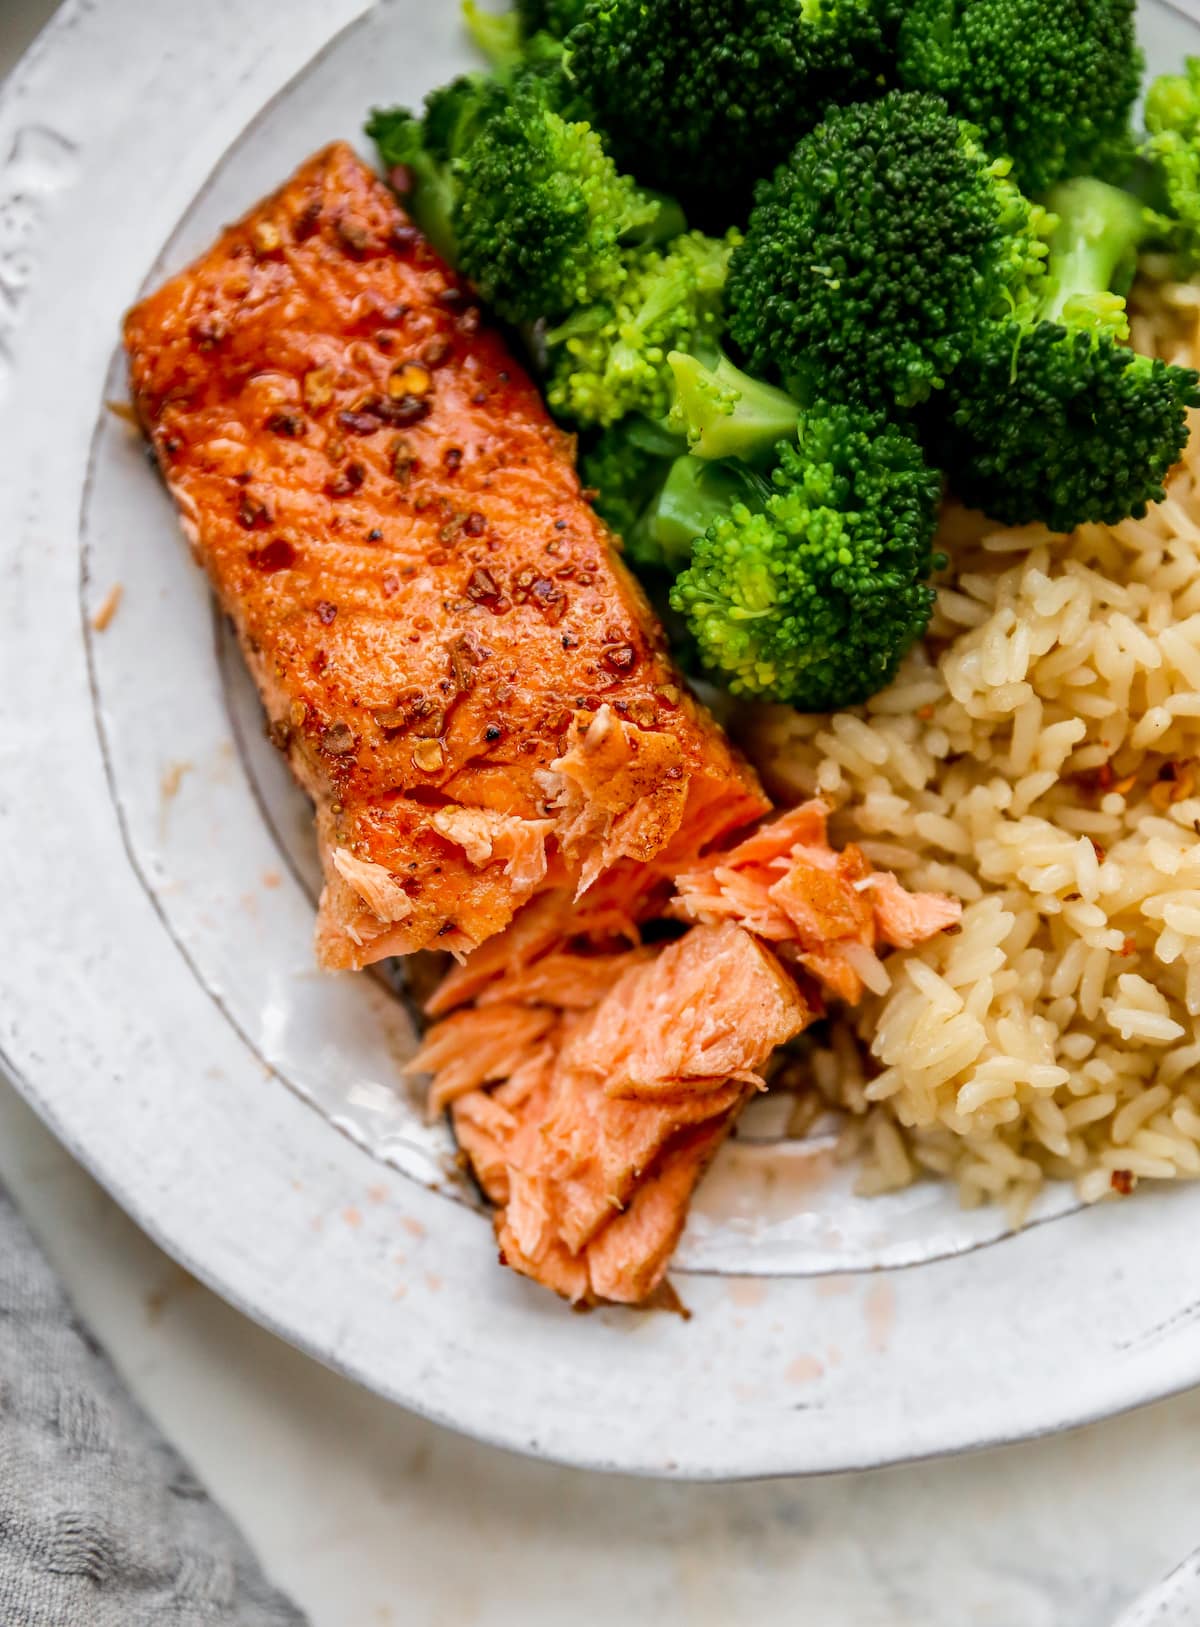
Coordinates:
(1039, 757)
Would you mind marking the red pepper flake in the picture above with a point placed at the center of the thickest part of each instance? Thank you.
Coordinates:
(326, 612)
(390, 585)
(276, 555)
(1122, 1181)
(619, 658)
(307, 221)
(403, 461)
(406, 410)
(474, 525)
(359, 423)
(352, 235)
(319, 662)
(207, 332)
(252, 514)
(409, 378)
(462, 662)
(346, 481)
(285, 422)
(435, 352)
(482, 587)
(1129, 947)
(265, 239)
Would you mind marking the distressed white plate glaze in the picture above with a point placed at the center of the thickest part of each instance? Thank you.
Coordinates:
(158, 1000)
(1173, 1602)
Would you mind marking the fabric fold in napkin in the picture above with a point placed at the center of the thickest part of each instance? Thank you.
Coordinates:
(102, 1523)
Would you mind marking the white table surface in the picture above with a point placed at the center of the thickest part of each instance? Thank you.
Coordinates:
(371, 1517)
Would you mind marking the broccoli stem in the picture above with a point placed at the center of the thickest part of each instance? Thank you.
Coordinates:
(726, 413)
(497, 34)
(1093, 254)
(431, 204)
(697, 492)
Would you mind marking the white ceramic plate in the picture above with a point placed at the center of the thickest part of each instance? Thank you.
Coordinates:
(1173, 1602)
(158, 1000)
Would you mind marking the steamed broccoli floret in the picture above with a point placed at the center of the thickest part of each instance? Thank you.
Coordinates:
(626, 467)
(877, 250)
(725, 413)
(701, 97)
(610, 359)
(414, 152)
(1050, 83)
(658, 498)
(814, 598)
(556, 17)
(1050, 417)
(533, 31)
(524, 201)
(1172, 148)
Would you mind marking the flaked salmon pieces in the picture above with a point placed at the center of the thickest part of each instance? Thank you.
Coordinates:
(591, 1077)
(827, 911)
(460, 670)
(604, 1119)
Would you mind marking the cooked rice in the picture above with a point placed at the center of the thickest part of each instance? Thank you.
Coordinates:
(1039, 757)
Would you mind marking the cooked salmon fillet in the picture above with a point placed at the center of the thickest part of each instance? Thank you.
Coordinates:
(462, 674)
(830, 912)
(607, 1117)
(592, 1078)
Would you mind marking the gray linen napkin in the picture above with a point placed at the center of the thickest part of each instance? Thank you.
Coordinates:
(102, 1524)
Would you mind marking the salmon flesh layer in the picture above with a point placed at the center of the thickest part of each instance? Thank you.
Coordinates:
(591, 1077)
(463, 675)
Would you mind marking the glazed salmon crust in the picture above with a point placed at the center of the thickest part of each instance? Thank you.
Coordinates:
(462, 673)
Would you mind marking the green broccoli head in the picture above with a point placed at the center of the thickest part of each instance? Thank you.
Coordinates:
(523, 199)
(543, 212)
(1050, 83)
(1172, 147)
(534, 30)
(1050, 417)
(610, 359)
(701, 97)
(877, 250)
(814, 597)
(555, 17)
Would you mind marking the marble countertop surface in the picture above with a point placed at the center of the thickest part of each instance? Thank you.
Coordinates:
(371, 1517)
